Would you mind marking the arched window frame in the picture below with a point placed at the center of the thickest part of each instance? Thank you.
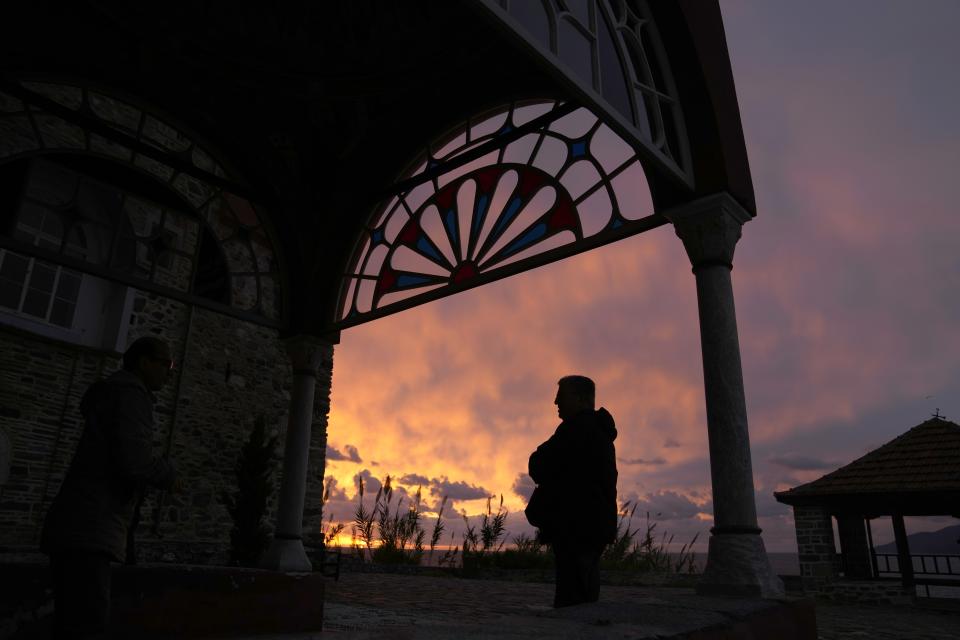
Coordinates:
(37, 118)
(612, 53)
(403, 232)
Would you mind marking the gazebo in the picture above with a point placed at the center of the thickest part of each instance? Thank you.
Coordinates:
(916, 474)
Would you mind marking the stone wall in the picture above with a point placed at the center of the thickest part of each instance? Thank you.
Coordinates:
(815, 547)
(41, 383)
(866, 591)
(227, 372)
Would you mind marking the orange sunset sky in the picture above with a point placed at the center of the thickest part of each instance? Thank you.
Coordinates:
(846, 291)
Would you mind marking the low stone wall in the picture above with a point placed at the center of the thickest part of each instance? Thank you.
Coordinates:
(865, 591)
(174, 601)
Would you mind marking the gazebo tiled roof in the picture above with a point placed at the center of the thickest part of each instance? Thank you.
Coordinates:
(913, 472)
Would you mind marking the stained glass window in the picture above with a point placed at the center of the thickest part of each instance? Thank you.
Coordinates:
(547, 194)
(156, 243)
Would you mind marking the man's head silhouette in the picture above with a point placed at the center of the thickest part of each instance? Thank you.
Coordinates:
(574, 394)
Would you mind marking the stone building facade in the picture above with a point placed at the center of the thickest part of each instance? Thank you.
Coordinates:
(227, 372)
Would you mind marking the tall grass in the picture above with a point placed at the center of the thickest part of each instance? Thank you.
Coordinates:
(388, 533)
(400, 533)
(645, 553)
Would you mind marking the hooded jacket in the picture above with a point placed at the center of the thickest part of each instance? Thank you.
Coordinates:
(114, 461)
(576, 473)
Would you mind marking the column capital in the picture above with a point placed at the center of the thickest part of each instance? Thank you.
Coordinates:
(709, 228)
(306, 352)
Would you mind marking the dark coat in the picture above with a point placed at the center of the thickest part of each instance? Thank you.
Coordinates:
(114, 461)
(576, 475)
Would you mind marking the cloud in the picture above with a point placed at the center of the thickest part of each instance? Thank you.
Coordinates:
(371, 483)
(670, 443)
(768, 506)
(456, 491)
(802, 462)
(668, 505)
(333, 491)
(523, 486)
(640, 461)
(351, 455)
(414, 479)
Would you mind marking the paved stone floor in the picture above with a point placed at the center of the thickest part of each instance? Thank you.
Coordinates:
(385, 606)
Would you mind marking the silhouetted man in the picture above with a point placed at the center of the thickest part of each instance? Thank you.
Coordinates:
(86, 527)
(576, 475)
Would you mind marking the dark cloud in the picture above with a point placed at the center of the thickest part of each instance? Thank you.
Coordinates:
(458, 490)
(414, 479)
(801, 462)
(668, 505)
(523, 486)
(648, 461)
(333, 490)
(371, 484)
(351, 455)
(670, 443)
(767, 505)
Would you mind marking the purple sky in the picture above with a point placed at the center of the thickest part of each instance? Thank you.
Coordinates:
(845, 283)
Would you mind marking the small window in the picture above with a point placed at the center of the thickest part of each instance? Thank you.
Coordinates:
(36, 288)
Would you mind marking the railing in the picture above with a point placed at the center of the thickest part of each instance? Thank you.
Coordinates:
(930, 570)
(925, 564)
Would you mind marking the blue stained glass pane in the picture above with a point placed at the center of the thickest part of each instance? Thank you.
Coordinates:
(450, 224)
(525, 240)
(377, 236)
(426, 247)
(505, 130)
(405, 280)
(578, 149)
(616, 224)
(508, 215)
(479, 213)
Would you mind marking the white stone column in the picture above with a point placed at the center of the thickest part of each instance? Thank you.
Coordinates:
(737, 562)
(286, 552)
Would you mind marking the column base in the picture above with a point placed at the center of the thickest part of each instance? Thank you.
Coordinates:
(737, 565)
(287, 556)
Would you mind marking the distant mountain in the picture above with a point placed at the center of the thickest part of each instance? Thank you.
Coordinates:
(942, 541)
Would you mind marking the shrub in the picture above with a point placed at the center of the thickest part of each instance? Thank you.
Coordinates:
(254, 470)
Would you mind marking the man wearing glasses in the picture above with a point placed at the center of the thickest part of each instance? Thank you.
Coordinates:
(86, 527)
